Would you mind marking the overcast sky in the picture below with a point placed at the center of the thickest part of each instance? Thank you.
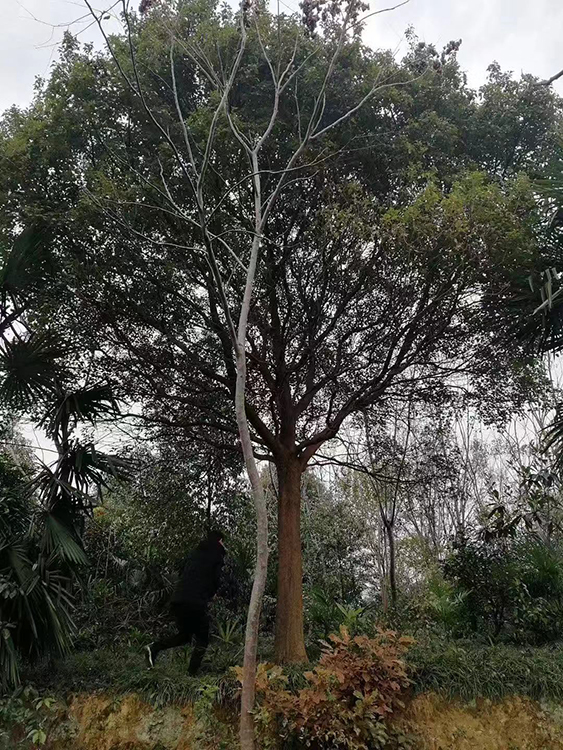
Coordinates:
(522, 35)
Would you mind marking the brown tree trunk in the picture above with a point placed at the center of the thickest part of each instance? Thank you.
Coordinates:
(290, 639)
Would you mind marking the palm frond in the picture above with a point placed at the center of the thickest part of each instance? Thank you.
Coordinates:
(76, 472)
(9, 663)
(22, 263)
(35, 596)
(59, 542)
(31, 368)
(90, 404)
(539, 311)
(89, 466)
(20, 564)
(52, 484)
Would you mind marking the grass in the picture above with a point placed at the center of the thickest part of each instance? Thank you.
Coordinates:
(468, 670)
(463, 669)
(121, 668)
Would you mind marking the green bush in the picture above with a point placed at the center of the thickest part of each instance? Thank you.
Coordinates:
(508, 588)
(35, 600)
(25, 717)
(326, 615)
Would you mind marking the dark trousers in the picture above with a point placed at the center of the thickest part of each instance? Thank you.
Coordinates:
(192, 621)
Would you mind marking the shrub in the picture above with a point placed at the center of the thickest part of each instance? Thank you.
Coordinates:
(326, 614)
(346, 701)
(35, 603)
(446, 606)
(509, 587)
(25, 718)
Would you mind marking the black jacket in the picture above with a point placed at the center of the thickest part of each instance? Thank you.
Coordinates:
(201, 575)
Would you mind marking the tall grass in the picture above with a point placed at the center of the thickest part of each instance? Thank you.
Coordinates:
(470, 670)
(462, 669)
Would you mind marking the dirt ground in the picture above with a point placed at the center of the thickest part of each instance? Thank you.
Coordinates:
(512, 724)
(101, 722)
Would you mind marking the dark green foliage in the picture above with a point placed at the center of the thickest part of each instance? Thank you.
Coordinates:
(25, 717)
(35, 603)
(506, 587)
(24, 264)
(41, 512)
(90, 403)
(139, 538)
(134, 294)
(31, 368)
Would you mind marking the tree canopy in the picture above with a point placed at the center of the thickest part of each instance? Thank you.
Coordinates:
(398, 208)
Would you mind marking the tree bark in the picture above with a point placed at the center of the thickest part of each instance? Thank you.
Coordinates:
(290, 639)
(392, 577)
(246, 726)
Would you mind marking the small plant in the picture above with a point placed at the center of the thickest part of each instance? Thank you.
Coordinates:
(328, 615)
(210, 731)
(446, 605)
(323, 612)
(347, 700)
(352, 617)
(25, 714)
(228, 632)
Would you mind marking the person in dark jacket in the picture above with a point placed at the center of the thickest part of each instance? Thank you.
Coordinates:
(196, 587)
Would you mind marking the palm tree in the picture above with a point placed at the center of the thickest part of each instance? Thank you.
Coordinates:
(542, 324)
(40, 528)
(35, 603)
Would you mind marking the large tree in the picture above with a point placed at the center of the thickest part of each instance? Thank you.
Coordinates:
(385, 226)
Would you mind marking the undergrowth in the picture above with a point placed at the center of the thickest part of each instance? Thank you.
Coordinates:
(463, 669)
(468, 670)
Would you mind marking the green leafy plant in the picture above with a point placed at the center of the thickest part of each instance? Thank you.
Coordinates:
(509, 587)
(229, 632)
(25, 717)
(352, 617)
(211, 731)
(446, 605)
(327, 614)
(35, 602)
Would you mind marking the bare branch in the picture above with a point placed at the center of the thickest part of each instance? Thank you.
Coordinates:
(554, 78)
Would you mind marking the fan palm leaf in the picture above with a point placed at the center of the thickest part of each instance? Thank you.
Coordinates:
(22, 264)
(35, 607)
(79, 469)
(60, 544)
(90, 404)
(30, 368)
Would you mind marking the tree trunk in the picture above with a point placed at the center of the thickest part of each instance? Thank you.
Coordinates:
(290, 639)
(246, 725)
(391, 545)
